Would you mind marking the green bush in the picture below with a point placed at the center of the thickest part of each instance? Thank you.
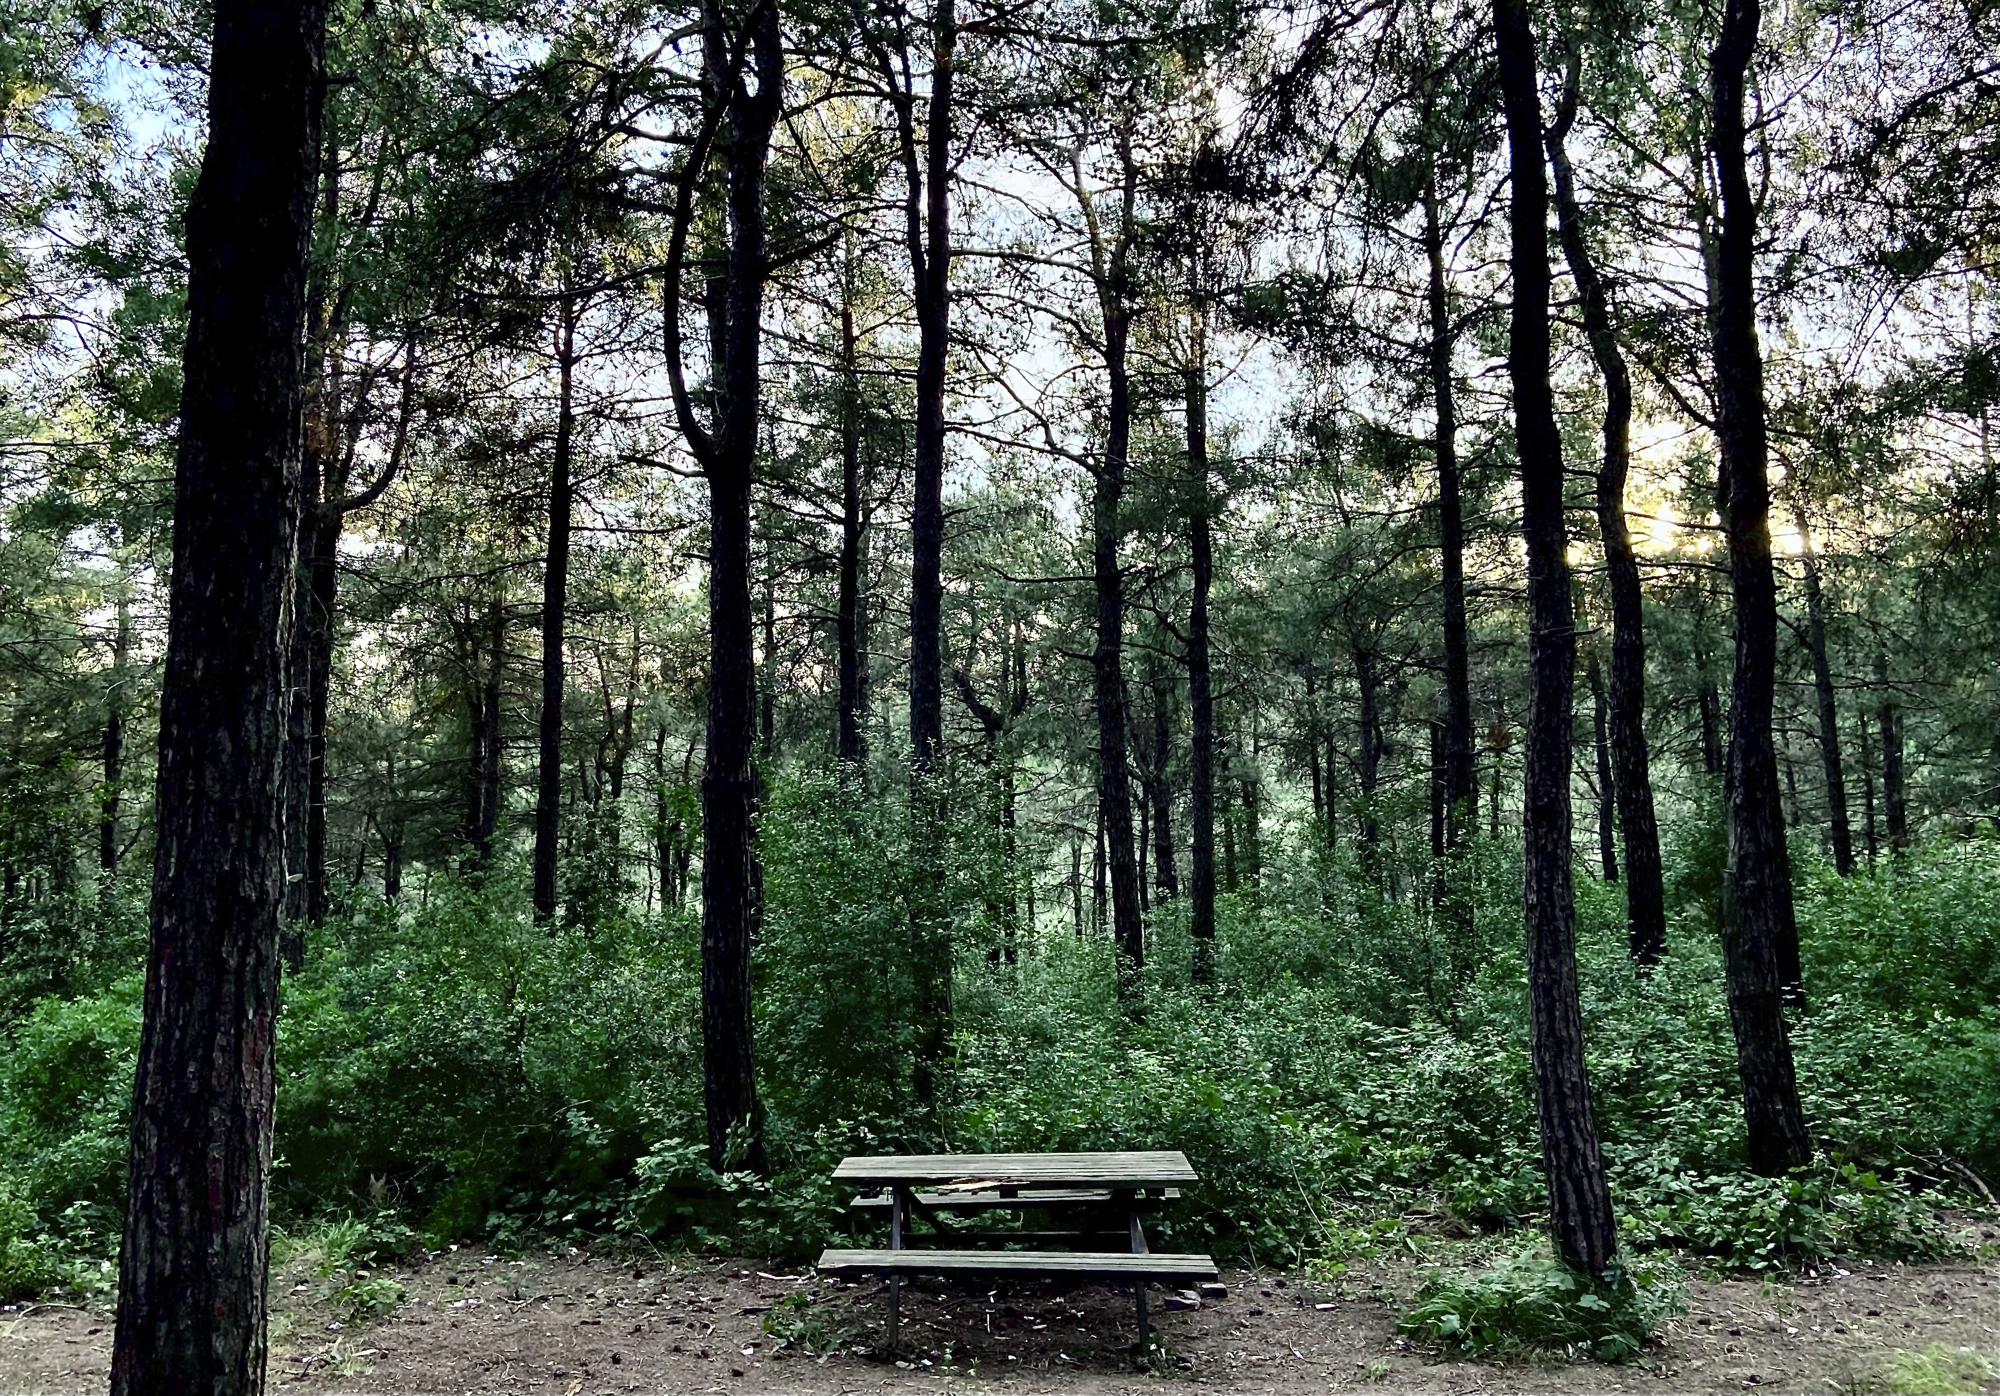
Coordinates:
(1531, 1302)
(454, 1067)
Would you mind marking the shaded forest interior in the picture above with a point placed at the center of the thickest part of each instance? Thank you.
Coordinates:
(607, 604)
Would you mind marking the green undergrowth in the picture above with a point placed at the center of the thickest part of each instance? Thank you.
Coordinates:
(1528, 1302)
(1358, 1077)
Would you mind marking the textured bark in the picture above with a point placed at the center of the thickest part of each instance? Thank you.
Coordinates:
(1631, 765)
(1201, 698)
(851, 735)
(1760, 931)
(741, 111)
(1368, 767)
(193, 1266)
(1460, 781)
(1710, 711)
(1580, 1218)
(1112, 272)
(1867, 793)
(1607, 822)
(1165, 877)
(927, 238)
(1895, 807)
(1839, 829)
(112, 744)
(555, 618)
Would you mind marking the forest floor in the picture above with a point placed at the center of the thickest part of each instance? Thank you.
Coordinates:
(591, 1325)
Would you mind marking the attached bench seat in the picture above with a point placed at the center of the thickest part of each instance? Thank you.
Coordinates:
(996, 1199)
(1086, 1265)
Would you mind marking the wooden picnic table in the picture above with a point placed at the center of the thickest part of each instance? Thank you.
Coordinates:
(1105, 1193)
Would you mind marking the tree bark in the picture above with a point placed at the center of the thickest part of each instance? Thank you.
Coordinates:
(1460, 780)
(112, 745)
(1368, 769)
(1113, 275)
(851, 736)
(1165, 877)
(1607, 823)
(1895, 808)
(1760, 931)
(1630, 767)
(1867, 792)
(1839, 829)
(1580, 1218)
(739, 116)
(193, 1266)
(555, 617)
(1201, 699)
(927, 236)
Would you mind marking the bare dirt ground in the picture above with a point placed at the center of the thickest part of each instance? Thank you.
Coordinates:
(592, 1325)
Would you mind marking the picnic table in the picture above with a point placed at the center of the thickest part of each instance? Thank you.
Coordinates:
(1101, 1196)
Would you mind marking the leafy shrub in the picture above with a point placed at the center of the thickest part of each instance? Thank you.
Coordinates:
(27, 1265)
(1529, 1301)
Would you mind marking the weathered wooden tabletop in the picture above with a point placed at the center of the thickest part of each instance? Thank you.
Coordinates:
(1149, 1169)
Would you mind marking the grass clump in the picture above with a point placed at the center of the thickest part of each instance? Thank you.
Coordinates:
(1939, 1370)
(1530, 1302)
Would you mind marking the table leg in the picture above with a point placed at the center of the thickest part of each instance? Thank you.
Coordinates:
(1136, 1235)
(897, 1202)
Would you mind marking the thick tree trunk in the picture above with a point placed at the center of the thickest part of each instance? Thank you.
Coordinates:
(927, 234)
(1839, 828)
(1760, 931)
(1895, 807)
(1114, 774)
(1460, 780)
(1580, 1218)
(851, 735)
(1113, 276)
(193, 1266)
(555, 617)
(1201, 699)
(747, 105)
(1607, 823)
(1630, 765)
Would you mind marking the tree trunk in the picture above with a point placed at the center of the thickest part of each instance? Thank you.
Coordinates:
(1711, 709)
(1607, 823)
(194, 1263)
(488, 738)
(851, 736)
(1107, 531)
(1201, 701)
(1460, 781)
(113, 743)
(1889, 714)
(1760, 932)
(1829, 711)
(1165, 877)
(555, 615)
(1867, 793)
(1630, 767)
(1368, 836)
(927, 234)
(1581, 1223)
(726, 449)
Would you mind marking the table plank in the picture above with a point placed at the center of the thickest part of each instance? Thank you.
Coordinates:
(1161, 1168)
(1102, 1265)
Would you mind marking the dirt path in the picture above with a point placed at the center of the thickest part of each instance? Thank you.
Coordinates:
(582, 1325)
